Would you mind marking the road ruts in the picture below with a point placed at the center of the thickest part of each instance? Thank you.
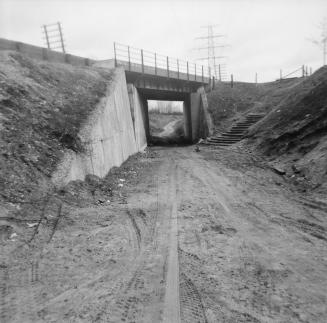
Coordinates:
(142, 294)
(172, 302)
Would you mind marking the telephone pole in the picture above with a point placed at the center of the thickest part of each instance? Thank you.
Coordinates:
(53, 36)
(217, 67)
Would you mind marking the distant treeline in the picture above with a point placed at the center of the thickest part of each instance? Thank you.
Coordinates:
(165, 107)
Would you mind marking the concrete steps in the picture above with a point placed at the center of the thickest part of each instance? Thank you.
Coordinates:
(236, 133)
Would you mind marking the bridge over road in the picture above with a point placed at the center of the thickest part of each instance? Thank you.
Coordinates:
(151, 76)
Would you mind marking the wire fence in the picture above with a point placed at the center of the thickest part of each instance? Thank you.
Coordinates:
(146, 62)
(302, 71)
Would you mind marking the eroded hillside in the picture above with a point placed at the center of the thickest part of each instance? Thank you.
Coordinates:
(42, 106)
(294, 133)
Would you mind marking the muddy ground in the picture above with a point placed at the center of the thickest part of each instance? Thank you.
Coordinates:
(184, 236)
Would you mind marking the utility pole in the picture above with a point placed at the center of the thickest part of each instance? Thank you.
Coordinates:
(53, 35)
(213, 60)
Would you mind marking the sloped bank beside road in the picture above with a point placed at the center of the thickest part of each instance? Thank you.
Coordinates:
(58, 123)
(294, 134)
(42, 106)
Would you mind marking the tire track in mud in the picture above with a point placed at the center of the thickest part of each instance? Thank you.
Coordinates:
(191, 303)
(206, 306)
(192, 309)
(171, 312)
(4, 277)
(29, 276)
(121, 301)
(138, 286)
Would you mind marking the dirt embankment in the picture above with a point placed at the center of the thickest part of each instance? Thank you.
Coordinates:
(294, 133)
(42, 106)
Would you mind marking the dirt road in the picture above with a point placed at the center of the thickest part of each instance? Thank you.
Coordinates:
(213, 236)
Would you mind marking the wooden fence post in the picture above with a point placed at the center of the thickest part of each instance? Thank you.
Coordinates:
(129, 59)
(188, 75)
(115, 54)
(177, 68)
(202, 75)
(155, 63)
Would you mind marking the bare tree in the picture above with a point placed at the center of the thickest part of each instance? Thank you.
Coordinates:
(322, 41)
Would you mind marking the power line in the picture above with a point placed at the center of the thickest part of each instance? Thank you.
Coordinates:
(214, 60)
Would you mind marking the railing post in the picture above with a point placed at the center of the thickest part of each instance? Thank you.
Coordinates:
(115, 54)
(210, 80)
(231, 81)
(129, 59)
(61, 38)
(167, 66)
(188, 75)
(46, 35)
(202, 75)
(155, 63)
(142, 61)
(195, 70)
(177, 68)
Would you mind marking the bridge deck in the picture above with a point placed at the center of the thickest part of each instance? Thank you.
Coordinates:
(148, 63)
(150, 70)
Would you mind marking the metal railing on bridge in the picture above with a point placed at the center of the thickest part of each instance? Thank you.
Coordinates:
(146, 62)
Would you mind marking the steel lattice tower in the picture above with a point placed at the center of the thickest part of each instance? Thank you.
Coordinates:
(214, 60)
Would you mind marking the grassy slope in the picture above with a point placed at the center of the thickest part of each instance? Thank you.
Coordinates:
(159, 120)
(42, 106)
(227, 105)
(295, 131)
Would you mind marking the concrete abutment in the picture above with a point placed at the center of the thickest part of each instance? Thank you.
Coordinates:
(119, 127)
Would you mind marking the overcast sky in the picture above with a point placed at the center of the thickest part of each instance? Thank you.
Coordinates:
(264, 36)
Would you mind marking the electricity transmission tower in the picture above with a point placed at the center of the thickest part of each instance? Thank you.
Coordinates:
(54, 36)
(215, 63)
(322, 42)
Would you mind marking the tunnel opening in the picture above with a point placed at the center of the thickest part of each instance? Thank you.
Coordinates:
(166, 123)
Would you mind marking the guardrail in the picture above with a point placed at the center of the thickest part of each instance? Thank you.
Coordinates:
(146, 62)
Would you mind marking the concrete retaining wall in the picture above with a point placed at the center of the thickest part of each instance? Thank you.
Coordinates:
(201, 119)
(139, 116)
(44, 53)
(108, 136)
